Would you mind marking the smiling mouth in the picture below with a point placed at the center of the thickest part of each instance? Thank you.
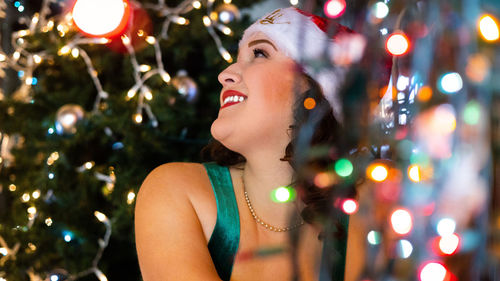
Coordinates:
(232, 98)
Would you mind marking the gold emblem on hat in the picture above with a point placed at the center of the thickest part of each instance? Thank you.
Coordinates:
(269, 19)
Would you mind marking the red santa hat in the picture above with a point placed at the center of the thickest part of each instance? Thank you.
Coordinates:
(304, 38)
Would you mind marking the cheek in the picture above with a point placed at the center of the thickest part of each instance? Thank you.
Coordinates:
(274, 85)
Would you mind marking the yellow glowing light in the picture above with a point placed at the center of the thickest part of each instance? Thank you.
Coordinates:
(206, 21)
(28, 81)
(214, 16)
(196, 4)
(138, 118)
(414, 173)
(140, 33)
(294, 2)
(377, 172)
(227, 56)
(165, 76)
(3, 57)
(227, 1)
(100, 216)
(25, 197)
(131, 93)
(22, 33)
(48, 221)
(181, 20)
(64, 50)
(488, 28)
(130, 197)
(89, 165)
(16, 55)
(397, 44)
(226, 30)
(32, 246)
(402, 221)
(151, 40)
(144, 68)
(37, 59)
(36, 194)
(125, 40)
(32, 210)
(12, 187)
(75, 53)
(148, 95)
(3, 251)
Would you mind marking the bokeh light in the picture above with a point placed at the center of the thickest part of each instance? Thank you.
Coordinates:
(373, 237)
(283, 194)
(478, 67)
(488, 28)
(324, 179)
(101, 18)
(350, 206)
(343, 167)
(405, 248)
(309, 103)
(380, 10)
(472, 113)
(377, 172)
(334, 8)
(449, 244)
(443, 119)
(424, 93)
(414, 173)
(433, 271)
(446, 226)
(450, 83)
(401, 221)
(397, 44)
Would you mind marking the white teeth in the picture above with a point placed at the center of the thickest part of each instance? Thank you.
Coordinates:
(234, 99)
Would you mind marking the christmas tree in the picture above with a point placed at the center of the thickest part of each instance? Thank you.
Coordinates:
(86, 113)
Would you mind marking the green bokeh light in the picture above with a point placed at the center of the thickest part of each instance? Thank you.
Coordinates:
(283, 194)
(472, 113)
(343, 167)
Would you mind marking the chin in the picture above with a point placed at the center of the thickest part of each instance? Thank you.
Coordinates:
(223, 133)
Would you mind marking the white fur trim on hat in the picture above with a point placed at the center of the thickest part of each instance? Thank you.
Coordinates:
(300, 38)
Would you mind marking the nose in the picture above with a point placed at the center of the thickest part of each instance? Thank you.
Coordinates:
(230, 75)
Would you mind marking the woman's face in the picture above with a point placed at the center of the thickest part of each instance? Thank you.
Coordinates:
(257, 97)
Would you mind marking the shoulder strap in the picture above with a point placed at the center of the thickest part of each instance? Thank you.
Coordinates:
(225, 238)
(334, 250)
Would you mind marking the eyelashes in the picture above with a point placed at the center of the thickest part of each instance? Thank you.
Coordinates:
(259, 53)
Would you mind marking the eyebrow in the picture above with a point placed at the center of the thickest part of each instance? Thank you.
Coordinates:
(255, 42)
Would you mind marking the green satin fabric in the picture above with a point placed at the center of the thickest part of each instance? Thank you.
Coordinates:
(225, 238)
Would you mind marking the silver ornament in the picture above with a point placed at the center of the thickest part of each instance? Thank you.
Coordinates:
(186, 86)
(227, 13)
(67, 118)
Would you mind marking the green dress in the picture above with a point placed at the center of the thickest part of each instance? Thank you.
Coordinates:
(225, 238)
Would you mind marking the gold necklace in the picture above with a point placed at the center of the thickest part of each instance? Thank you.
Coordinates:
(260, 221)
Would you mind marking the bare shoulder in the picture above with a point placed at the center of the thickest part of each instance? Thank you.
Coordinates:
(170, 238)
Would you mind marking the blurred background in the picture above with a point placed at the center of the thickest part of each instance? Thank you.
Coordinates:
(95, 94)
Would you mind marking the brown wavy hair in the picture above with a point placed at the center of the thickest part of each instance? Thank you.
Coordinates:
(316, 129)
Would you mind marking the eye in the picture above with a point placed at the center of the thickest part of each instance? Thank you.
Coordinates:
(259, 53)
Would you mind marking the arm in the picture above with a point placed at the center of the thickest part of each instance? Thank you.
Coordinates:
(169, 238)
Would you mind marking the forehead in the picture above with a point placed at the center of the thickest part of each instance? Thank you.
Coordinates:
(257, 36)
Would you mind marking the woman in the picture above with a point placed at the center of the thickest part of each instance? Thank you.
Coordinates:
(210, 222)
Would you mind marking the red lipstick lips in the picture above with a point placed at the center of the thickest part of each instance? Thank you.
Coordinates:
(231, 97)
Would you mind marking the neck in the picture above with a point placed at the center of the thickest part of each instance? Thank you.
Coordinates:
(261, 175)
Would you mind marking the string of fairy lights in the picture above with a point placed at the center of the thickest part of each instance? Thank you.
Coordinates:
(25, 64)
(430, 154)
